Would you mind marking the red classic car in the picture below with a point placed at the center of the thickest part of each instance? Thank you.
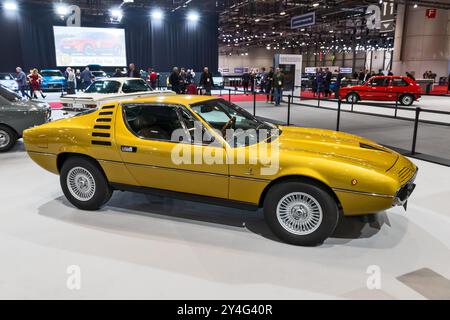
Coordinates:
(91, 44)
(383, 88)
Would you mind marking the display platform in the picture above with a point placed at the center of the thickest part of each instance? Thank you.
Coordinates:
(158, 248)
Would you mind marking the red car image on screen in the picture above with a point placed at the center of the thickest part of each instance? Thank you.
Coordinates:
(383, 88)
(91, 44)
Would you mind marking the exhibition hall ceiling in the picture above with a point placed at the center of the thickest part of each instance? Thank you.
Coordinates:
(322, 25)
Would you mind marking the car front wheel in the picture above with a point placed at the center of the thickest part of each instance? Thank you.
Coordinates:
(8, 138)
(84, 184)
(300, 213)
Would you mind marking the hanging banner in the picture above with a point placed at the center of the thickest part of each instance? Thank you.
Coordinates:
(303, 20)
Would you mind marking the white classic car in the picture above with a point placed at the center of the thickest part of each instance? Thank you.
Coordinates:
(111, 89)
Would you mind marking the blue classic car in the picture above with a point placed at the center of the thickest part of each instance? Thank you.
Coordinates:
(53, 80)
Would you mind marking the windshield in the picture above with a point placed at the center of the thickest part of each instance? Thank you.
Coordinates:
(9, 94)
(132, 86)
(233, 122)
(51, 74)
(99, 73)
(105, 87)
(5, 76)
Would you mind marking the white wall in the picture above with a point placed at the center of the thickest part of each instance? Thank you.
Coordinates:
(257, 58)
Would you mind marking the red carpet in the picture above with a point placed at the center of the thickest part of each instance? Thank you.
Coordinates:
(243, 97)
(55, 105)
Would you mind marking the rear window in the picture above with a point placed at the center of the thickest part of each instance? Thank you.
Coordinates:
(132, 86)
(104, 87)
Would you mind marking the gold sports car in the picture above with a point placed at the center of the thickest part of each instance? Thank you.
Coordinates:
(207, 149)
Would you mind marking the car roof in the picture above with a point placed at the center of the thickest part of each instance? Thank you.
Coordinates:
(120, 79)
(183, 99)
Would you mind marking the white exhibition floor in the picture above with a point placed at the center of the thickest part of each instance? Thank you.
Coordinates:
(142, 247)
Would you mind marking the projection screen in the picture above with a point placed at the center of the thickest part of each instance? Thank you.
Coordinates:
(79, 46)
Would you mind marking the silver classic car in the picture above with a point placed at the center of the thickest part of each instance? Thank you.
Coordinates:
(17, 115)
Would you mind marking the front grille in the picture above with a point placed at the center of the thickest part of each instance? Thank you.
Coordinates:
(405, 175)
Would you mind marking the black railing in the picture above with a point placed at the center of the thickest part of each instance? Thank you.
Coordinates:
(289, 100)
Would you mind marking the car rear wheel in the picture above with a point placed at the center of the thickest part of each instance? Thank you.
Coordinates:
(352, 97)
(84, 184)
(407, 99)
(300, 213)
(8, 138)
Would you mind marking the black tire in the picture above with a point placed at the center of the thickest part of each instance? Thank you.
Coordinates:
(8, 138)
(352, 97)
(323, 229)
(407, 99)
(90, 171)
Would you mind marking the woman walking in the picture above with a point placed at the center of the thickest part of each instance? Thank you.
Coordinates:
(35, 82)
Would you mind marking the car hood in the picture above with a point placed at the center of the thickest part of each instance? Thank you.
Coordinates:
(47, 78)
(32, 105)
(342, 146)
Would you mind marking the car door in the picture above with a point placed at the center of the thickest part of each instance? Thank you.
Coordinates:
(377, 88)
(396, 88)
(148, 136)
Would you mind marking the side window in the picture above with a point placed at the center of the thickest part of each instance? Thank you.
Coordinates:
(398, 82)
(378, 82)
(153, 122)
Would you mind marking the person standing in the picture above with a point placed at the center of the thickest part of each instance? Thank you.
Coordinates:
(338, 85)
(269, 85)
(79, 83)
(71, 81)
(278, 85)
(35, 80)
(21, 79)
(183, 80)
(206, 81)
(174, 80)
(133, 72)
(361, 76)
(246, 82)
(319, 81)
(86, 78)
(327, 82)
(117, 73)
(152, 78)
(390, 73)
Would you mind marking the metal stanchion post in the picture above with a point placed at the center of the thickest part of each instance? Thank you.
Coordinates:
(229, 95)
(338, 122)
(318, 100)
(289, 111)
(396, 105)
(416, 127)
(254, 103)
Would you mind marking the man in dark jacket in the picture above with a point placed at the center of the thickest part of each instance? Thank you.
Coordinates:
(175, 80)
(206, 81)
(278, 85)
(133, 72)
(327, 83)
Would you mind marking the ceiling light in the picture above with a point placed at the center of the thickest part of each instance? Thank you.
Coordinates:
(415, 5)
(315, 4)
(282, 13)
(193, 16)
(62, 10)
(116, 14)
(257, 20)
(157, 14)
(10, 5)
